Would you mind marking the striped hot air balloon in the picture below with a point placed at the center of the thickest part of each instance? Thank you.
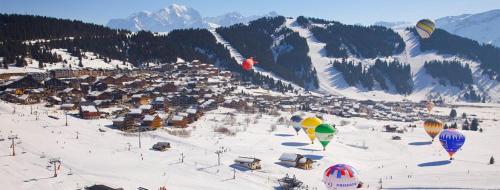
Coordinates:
(309, 125)
(325, 133)
(341, 177)
(425, 28)
(452, 141)
(433, 127)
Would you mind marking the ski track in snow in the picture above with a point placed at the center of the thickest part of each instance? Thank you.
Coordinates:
(239, 58)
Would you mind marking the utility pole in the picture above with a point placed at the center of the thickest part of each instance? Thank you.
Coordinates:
(13, 145)
(234, 173)
(55, 161)
(219, 152)
(182, 157)
(66, 111)
(77, 133)
(140, 137)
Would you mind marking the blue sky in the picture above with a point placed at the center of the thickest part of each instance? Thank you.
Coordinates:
(347, 11)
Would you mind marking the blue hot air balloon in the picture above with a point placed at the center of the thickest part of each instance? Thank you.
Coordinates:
(452, 141)
(296, 119)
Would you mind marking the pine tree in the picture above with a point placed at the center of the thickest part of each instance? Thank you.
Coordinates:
(492, 160)
(474, 125)
(5, 65)
(454, 126)
(465, 125)
(40, 64)
(445, 126)
(80, 64)
(464, 115)
(453, 113)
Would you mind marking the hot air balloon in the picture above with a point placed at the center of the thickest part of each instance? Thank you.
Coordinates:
(248, 64)
(433, 127)
(296, 123)
(425, 28)
(429, 105)
(324, 132)
(309, 124)
(341, 177)
(452, 141)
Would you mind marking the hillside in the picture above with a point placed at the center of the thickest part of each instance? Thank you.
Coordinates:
(328, 50)
(482, 27)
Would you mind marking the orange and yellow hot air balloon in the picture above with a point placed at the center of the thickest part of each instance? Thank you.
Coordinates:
(433, 127)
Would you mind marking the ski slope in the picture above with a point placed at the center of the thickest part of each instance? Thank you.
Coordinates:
(239, 59)
(103, 157)
(331, 81)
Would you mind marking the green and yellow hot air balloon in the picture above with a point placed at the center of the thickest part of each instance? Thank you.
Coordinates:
(325, 133)
(309, 125)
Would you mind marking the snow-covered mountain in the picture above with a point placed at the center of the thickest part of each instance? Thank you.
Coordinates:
(231, 18)
(178, 17)
(482, 27)
(164, 20)
(396, 24)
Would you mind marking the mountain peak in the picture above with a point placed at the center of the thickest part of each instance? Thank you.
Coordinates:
(178, 16)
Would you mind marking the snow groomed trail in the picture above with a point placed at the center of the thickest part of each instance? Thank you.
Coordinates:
(240, 58)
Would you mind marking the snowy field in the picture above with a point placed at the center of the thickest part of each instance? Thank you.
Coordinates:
(103, 157)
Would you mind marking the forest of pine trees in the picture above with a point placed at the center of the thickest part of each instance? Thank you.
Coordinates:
(287, 59)
(138, 48)
(450, 72)
(446, 43)
(361, 41)
(398, 74)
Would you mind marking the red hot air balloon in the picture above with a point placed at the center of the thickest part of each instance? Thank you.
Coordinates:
(248, 64)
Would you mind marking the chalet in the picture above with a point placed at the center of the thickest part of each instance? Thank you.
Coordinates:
(89, 112)
(54, 100)
(99, 86)
(161, 146)
(87, 79)
(178, 121)
(193, 114)
(247, 162)
(27, 99)
(68, 107)
(152, 122)
(55, 84)
(119, 122)
(147, 109)
(140, 99)
(296, 160)
(109, 80)
(27, 82)
(71, 93)
(160, 103)
(238, 104)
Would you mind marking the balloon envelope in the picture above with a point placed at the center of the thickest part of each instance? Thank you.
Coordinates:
(296, 123)
(325, 133)
(433, 127)
(452, 141)
(429, 105)
(248, 64)
(309, 124)
(340, 177)
(425, 28)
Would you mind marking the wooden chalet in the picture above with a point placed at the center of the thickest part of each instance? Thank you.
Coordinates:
(89, 112)
(152, 122)
(248, 162)
(296, 160)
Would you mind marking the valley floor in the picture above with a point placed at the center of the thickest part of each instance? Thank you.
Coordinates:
(104, 157)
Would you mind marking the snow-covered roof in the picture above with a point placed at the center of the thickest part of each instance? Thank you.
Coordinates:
(246, 160)
(177, 118)
(148, 118)
(135, 111)
(88, 108)
(191, 111)
(145, 107)
(288, 157)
